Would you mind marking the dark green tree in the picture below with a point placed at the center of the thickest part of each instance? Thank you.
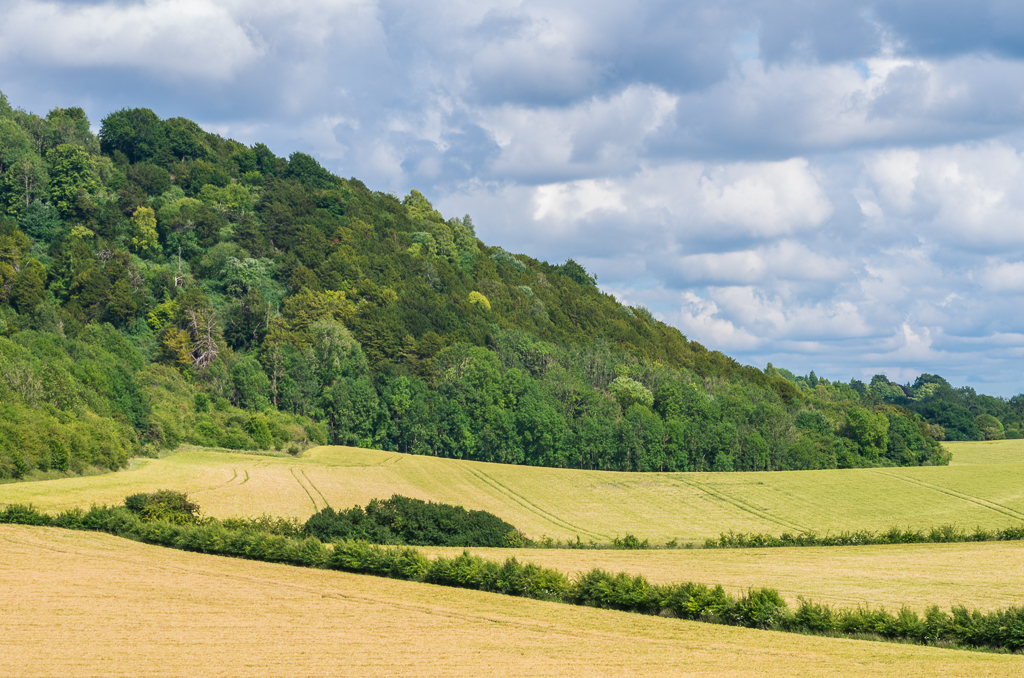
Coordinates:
(136, 132)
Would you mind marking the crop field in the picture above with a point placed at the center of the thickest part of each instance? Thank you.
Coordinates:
(986, 576)
(985, 487)
(79, 604)
(987, 452)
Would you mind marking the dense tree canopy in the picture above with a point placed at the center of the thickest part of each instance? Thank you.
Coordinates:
(161, 284)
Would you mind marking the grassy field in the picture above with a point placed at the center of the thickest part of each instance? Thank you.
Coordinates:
(985, 487)
(987, 452)
(985, 576)
(83, 604)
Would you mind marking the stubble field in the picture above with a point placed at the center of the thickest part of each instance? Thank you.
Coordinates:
(82, 604)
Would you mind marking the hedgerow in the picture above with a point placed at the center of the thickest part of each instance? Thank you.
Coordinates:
(943, 534)
(761, 608)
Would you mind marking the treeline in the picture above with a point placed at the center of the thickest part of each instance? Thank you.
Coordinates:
(91, 400)
(264, 302)
(759, 608)
(952, 413)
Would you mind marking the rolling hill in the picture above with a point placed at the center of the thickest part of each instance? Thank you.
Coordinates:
(564, 503)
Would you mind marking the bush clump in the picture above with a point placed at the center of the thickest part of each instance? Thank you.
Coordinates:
(166, 505)
(401, 520)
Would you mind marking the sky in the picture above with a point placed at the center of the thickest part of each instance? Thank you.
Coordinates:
(834, 186)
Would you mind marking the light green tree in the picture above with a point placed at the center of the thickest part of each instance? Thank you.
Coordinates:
(144, 236)
(71, 172)
(14, 143)
(629, 392)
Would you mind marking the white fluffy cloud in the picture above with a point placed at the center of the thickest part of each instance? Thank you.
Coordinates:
(830, 187)
(184, 38)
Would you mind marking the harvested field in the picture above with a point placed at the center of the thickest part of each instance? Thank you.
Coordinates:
(78, 604)
(986, 488)
(986, 576)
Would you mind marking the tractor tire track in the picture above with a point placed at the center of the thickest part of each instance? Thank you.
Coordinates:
(315, 488)
(977, 501)
(304, 489)
(740, 504)
(530, 506)
(229, 483)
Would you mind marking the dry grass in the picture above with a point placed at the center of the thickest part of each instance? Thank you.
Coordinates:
(984, 489)
(83, 604)
(985, 576)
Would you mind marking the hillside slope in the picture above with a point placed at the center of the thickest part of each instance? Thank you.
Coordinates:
(160, 284)
(565, 503)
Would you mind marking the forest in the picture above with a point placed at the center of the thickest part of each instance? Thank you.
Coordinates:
(161, 285)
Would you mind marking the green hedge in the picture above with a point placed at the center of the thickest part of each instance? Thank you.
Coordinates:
(936, 535)
(758, 608)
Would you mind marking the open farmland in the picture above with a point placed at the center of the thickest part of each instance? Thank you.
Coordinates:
(985, 487)
(988, 452)
(986, 576)
(79, 603)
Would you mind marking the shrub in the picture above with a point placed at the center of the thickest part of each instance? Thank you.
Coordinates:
(164, 505)
(630, 542)
(24, 514)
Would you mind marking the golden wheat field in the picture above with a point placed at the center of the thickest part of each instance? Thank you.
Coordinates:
(986, 576)
(86, 604)
(985, 487)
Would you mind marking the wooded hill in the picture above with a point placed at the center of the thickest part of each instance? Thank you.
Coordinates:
(160, 285)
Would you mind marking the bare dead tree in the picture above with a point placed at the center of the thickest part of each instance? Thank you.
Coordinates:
(203, 326)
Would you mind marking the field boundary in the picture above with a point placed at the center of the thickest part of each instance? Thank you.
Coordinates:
(760, 608)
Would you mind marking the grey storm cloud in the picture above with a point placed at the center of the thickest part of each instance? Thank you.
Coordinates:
(832, 186)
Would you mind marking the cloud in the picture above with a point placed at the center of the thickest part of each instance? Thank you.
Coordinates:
(785, 260)
(699, 318)
(1003, 276)
(833, 186)
(764, 199)
(965, 194)
(684, 200)
(182, 38)
(599, 135)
